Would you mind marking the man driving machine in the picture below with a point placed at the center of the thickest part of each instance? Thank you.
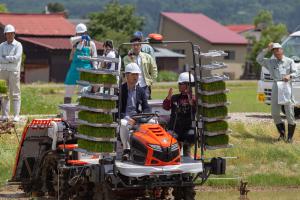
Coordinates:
(133, 101)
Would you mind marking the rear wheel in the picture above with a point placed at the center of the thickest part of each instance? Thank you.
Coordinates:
(184, 193)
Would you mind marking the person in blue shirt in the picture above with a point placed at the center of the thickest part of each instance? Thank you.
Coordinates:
(82, 46)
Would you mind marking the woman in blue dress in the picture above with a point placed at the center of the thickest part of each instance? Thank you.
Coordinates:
(82, 46)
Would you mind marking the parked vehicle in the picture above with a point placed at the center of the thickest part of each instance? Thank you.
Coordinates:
(291, 47)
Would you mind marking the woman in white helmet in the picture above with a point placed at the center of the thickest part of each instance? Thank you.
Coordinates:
(10, 63)
(181, 106)
(82, 46)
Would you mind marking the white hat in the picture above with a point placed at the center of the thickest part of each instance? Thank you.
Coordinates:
(81, 28)
(132, 68)
(184, 77)
(9, 29)
(276, 46)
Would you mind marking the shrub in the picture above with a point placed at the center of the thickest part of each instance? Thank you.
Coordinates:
(167, 76)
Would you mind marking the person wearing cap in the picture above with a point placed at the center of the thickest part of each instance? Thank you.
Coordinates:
(133, 98)
(10, 65)
(181, 106)
(281, 68)
(82, 45)
(145, 62)
(146, 48)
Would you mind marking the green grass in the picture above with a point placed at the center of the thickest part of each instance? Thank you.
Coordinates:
(3, 87)
(261, 160)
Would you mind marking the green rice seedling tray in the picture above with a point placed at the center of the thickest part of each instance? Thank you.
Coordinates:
(216, 140)
(215, 86)
(212, 92)
(216, 126)
(3, 87)
(98, 78)
(95, 139)
(215, 112)
(94, 117)
(98, 125)
(216, 98)
(92, 146)
(97, 103)
(99, 96)
(108, 132)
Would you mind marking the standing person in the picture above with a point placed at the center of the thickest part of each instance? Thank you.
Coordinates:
(133, 98)
(281, 68)
(182, 105)
(109, 52)
(145, 62)
(81, 46)
(10, 64)
(146, 48)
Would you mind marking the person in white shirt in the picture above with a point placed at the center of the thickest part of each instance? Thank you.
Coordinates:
(10, 65)
(109, 52)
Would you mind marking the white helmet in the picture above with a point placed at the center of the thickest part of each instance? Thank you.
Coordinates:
(132, 68)
(9, 29)
(184, 77)
(81, 28)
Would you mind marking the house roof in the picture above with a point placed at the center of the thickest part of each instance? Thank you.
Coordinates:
(53, 43)
(239, 28)
(166, 53)
(38, 24)
(205, 28)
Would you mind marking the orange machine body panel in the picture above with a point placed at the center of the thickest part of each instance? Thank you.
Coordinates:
(159, 147)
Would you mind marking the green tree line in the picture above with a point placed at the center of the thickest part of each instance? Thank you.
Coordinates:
(224, 11)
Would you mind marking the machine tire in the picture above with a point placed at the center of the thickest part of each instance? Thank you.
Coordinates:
(50, 177)
(184, 193)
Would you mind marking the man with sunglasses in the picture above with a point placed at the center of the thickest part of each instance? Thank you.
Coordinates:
(182, 105)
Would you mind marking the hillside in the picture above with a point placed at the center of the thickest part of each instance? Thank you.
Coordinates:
(224, 11)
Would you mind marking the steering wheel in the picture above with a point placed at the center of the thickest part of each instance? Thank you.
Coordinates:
(143, 117)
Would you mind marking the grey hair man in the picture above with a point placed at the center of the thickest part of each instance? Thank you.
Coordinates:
(281, 69)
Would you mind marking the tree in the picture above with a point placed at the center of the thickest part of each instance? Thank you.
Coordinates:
(55, 7)
(270, 32)
(3, 8)
(117, 22)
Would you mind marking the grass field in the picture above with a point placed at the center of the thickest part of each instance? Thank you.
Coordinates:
(260, 161)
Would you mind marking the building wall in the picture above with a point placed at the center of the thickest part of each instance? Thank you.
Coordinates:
(170, 64)
(59, 65)
(36, 73)
(168, 28)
